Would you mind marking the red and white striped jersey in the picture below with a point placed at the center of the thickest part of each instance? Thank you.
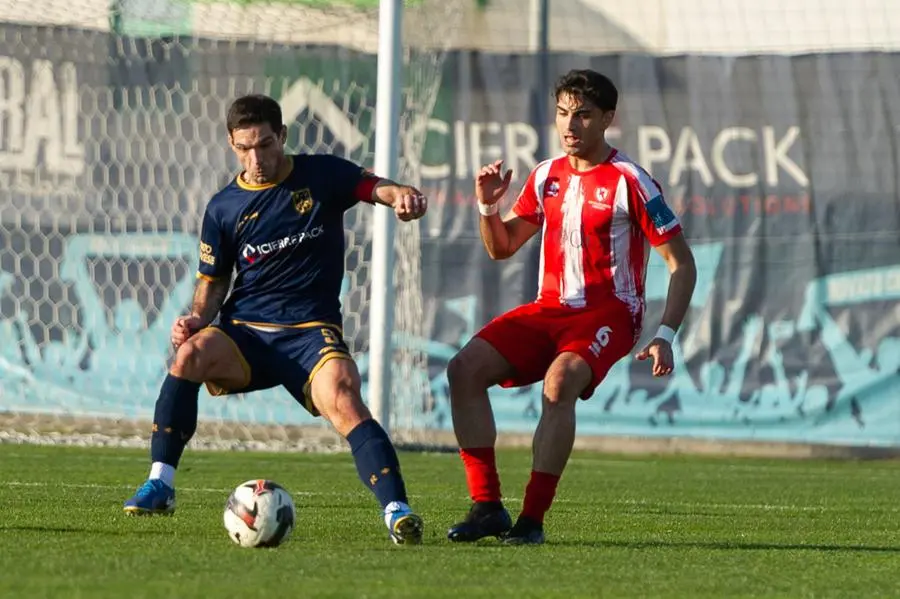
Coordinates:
(596, 228)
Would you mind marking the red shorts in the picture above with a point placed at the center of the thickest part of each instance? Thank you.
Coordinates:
(531, 336)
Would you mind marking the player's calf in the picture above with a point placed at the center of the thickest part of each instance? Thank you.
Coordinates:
(471, 372)
(477, 367)
(175, 416)
(335, 393)
(566, 379)
(174, 423)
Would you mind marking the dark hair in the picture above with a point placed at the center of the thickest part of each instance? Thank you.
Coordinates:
(255, 109)
(588, 85)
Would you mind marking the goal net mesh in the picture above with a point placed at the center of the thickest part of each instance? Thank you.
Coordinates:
(112, 140)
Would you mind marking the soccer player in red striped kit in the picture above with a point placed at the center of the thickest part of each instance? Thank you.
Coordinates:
(597, 212)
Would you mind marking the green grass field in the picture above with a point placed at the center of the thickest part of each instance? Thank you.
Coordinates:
(622, 527)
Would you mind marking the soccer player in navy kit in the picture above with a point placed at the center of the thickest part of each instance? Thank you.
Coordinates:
(279, 226)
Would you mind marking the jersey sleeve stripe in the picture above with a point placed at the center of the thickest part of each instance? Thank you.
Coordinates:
(541, 173)
(208, 278)
(365, 187)
(649, 190)
(645, 183)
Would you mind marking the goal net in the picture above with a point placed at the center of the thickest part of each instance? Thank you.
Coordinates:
(112, 140)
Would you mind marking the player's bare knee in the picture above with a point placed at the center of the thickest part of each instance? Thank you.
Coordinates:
(456, 369)
(337, 395)
(565, 381)
(558, 391)
(464, 376)
(348, 401)
(471, 367)
(189, 363)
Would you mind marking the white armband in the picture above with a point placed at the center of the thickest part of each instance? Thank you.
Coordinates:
(664, 332)
(488, 209)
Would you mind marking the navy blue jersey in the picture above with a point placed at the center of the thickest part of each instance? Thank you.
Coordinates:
(284, 240)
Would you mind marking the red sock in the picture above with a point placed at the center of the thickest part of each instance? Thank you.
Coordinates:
(539, 495)
(481, 473)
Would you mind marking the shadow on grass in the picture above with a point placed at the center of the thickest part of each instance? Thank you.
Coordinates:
(85, 530)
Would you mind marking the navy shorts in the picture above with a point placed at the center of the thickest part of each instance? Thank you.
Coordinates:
(289, 357)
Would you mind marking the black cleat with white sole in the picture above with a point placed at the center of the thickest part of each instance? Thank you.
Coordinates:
(485, 519)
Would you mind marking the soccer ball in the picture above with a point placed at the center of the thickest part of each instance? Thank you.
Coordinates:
(259, 513)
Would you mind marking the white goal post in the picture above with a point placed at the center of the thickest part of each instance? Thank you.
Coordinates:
(387, 154)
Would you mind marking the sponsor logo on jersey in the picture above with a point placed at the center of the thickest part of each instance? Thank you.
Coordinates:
(206, 254)
(252, 252)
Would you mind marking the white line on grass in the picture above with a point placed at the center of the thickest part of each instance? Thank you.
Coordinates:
(725, 506)
(16, 483)
(621, 502)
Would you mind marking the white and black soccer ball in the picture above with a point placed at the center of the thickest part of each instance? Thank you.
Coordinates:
(259, 513)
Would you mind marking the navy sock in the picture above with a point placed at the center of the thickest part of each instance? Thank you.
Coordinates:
(175, 419)
(376, 462)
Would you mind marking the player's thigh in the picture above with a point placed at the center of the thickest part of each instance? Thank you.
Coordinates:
(511, 350)
(213, 356)
(600, 338)
(318, 369)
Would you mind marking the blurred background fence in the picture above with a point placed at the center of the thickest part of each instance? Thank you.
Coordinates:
(772, 126)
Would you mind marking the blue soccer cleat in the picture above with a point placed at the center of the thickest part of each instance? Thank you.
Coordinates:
(153, 497)
(404, 526)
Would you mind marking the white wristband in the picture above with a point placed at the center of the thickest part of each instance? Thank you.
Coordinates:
(488, 209)
(664, 332)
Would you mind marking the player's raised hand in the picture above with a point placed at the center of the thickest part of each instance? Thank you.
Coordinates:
(184, 327)
(660, 351)
(490, 184)
(409, 203)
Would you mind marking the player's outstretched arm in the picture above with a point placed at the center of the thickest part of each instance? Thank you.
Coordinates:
(408, 202)
(502, 237)
(683, 277)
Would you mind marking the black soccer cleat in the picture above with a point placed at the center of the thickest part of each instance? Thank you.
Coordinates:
(525, 532)
(485, 519)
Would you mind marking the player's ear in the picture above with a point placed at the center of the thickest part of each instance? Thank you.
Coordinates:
(607, 118)
(282, 135)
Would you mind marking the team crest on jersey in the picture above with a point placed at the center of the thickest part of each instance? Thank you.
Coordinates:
(302, 200)
(601, 197)
(553, 188)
